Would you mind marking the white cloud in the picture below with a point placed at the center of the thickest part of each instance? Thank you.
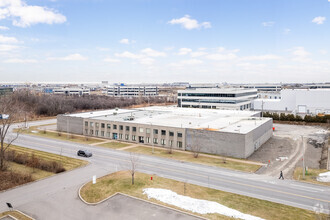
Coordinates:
(287, 31)
(71, 57)
(323, 52)
(191, 62)
(147, 61)
(24, 15)
(220, 56)
(299, 54)
(184, 51)
(4, 28)
(168, 48)
(7, 47)
(198, 53)
(143, 59)
(17, 60)
(8, 40)
(153, 53)
(126, 41)
(102, 49)
(299, 51)
(189, 23)
(127, 54)
(111, 60)
(319, 20)
(262, 57)
(268, 23)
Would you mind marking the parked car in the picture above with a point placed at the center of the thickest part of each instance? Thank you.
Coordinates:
(84, 153)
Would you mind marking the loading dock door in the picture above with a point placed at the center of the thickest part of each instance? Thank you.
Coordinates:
(302, 108)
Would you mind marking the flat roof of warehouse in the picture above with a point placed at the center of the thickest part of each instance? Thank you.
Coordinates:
(233, 121)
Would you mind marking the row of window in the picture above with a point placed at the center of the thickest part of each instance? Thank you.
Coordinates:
(214, 101)
(133, 138)
(217, 94)
(127, 128)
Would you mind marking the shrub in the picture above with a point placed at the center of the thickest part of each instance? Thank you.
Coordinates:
(34, 162)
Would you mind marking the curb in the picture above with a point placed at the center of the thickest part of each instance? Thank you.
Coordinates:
(119, 193)
(15, 210)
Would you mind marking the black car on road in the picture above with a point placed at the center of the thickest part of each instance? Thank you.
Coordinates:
(84, 153)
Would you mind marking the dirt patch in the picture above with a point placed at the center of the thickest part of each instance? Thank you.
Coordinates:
(323, 125)
(271, 152)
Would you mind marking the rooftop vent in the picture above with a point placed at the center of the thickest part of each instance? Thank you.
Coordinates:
(129, 118)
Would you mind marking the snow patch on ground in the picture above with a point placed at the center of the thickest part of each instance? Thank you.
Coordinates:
(324, 177)
(195, 205)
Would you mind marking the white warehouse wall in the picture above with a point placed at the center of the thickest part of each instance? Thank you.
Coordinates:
(310, 101)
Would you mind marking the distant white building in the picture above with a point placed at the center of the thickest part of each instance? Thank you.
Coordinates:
(263, 87)
(132, 91)
(303, 101)
(269, 95)
(217, 98)
(71, 91)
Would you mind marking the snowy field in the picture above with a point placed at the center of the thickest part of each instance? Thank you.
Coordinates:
(195, 205)
(324, 177)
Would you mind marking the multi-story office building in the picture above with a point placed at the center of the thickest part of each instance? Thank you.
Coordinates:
(217, 98)
(132, 91)
(224, 132)
(72, 91)
(6, 90)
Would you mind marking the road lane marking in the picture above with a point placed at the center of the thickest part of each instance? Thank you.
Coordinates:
(228, 181)
(205, 176)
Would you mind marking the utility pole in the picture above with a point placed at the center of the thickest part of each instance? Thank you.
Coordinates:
(303, 144)
(152, 138)
(67, 128)
(262, 108)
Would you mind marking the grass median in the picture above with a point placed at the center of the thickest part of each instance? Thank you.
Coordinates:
(33, 130)
(310, 176)
(188, 157)
(114, 145)
(121, 182)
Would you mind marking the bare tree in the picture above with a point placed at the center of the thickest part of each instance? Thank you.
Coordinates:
(10, 112)
(170, 149)
(134, 160)
(196, 149)
(196, 146)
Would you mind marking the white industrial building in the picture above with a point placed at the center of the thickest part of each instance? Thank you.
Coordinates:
(222, 132)
(132, 91)
(263, 87)
(297, 101)
(72, 91)
(269, 95)
(217, 98)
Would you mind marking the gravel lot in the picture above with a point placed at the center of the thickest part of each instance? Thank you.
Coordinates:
(287, 143)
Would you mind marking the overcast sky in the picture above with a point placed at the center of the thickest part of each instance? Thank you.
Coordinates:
(135, 41)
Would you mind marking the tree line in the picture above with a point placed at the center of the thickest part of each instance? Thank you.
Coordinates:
(52, 105)
(292, 117)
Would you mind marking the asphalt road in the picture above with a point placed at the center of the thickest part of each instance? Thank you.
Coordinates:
(302, 195)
